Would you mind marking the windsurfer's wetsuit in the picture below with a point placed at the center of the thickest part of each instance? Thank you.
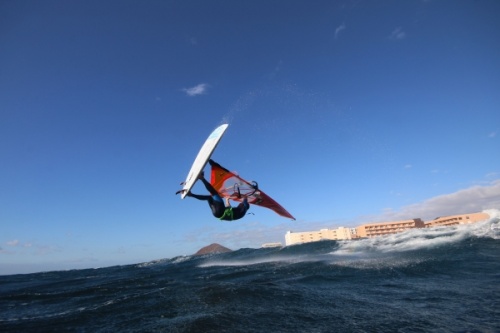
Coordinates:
(217, 206)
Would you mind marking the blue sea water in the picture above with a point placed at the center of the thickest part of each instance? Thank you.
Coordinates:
(423, 280)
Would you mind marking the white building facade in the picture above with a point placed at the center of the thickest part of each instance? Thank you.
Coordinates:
(324, 234)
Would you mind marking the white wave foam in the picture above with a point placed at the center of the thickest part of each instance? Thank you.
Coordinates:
(381, 251)
(175, 260)
(247, 262)
(492, 228)
(180, 259)
(415, 239)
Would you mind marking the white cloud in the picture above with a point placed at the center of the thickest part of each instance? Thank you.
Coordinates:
(253, 234)
(339, 29)
(470, 200)
(408, 166)
(199, 89)
(14, 242)
(36, 249)
(398, 33)
(492, 135)
(492, 175)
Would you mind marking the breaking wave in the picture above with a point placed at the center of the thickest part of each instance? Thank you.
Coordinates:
(423, 280)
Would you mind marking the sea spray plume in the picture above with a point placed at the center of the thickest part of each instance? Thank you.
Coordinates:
(489, 228)
(396, 250)
(239, 107)
(412, 247)
(384, 251)
(424, 238)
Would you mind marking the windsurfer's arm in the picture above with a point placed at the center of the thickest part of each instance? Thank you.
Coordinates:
(227, 202)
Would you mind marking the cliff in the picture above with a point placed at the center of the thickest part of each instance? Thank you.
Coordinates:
(212, 248)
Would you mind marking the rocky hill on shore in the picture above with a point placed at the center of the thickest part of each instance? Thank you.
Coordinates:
(212, 248)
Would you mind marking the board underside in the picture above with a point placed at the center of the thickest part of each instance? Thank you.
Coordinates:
(202, 158)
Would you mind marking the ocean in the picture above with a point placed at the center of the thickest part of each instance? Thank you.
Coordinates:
(443, 279)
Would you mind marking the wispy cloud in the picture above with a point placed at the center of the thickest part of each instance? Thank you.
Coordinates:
(339, 29)
(14, 242)
(492, 135)
(470, 200)
(199, 89)
(28, 247)
(398, 34)
(492, 175)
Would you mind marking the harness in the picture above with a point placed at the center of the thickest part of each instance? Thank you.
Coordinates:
(228, 212)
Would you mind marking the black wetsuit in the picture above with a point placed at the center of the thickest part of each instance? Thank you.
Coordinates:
(217, 206)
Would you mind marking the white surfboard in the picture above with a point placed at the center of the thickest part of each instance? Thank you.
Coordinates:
(202, 158)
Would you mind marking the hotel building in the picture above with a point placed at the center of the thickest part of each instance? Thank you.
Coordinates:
(457, 219)
(314, 236)
(387, 228)
(379, 229)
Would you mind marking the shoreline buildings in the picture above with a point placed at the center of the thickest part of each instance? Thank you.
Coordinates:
(370, 230)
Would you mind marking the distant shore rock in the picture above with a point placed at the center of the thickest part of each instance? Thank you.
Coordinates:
(212, 248)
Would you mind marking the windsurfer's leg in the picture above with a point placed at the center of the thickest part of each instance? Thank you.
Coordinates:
(209, 187)
(217, 206)
(215, 202)
(198, 196)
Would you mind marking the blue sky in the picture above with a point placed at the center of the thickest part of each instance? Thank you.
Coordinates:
(345, 112)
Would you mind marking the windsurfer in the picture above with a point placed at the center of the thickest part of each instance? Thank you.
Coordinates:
(219, 209)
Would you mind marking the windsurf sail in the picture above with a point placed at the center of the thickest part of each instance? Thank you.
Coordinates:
(231, 185)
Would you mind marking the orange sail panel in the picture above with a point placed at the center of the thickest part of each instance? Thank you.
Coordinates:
(230, 185)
